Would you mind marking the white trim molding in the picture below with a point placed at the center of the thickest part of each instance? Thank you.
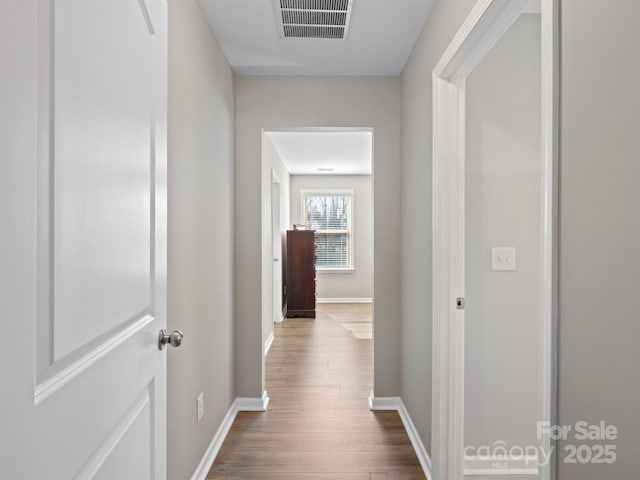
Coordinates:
(245, 404)
(268, 343)
(547, 410)
(396, 403)
(383, 403)
(344, 300)
(216, 443)
(249, 404)
(483, 28)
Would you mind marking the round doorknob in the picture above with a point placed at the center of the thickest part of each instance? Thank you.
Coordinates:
(174, 339)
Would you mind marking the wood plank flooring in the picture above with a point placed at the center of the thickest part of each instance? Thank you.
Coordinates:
(318, 426)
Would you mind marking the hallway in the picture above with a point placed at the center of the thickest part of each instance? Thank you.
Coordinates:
(318, 425)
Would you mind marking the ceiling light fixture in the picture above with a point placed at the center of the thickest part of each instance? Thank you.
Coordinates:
(326, 169)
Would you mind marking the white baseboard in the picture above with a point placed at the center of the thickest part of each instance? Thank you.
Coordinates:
(396, 403)
(383, 403)
(246, 404)
(239, 405)
(216, 443)
(344, 300)
(282, 315)
(500, 466)
(416, 441)
(268, 343)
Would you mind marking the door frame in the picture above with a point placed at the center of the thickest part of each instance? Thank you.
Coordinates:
(485, 25)
(264, 259)
(276, 180)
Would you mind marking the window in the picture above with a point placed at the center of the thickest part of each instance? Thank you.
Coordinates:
(329, 214)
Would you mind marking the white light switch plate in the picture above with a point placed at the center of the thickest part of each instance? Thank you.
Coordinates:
(503, 259)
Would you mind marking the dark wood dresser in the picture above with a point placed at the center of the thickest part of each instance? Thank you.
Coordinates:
(301, 274)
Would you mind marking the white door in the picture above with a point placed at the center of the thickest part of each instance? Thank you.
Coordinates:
(83, 238)
(276, 242)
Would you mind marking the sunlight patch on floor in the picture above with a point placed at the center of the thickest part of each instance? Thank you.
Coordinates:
(355, 318)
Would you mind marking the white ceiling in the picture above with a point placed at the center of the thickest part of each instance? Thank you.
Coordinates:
(381, 36)
(304, 153)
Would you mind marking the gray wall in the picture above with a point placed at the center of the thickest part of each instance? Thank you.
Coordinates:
(286, 102)
(503, 199)
(359, 283)
(443, 23)
(200, 268)
(599, 338)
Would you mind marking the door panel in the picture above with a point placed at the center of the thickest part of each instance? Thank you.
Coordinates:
(83, 252)
(102, 71)
(125, 451)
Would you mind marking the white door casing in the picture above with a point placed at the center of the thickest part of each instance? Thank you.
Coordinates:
(276, 244)
(83, 277)
(485, 25)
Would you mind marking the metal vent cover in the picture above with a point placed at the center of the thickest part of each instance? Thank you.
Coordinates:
(313, 18)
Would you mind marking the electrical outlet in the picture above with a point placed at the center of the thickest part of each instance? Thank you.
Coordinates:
(200, 406)
(503, 259)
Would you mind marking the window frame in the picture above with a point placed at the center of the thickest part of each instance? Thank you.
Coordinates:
(342, 192)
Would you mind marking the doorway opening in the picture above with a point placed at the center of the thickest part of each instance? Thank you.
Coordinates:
(318, 182)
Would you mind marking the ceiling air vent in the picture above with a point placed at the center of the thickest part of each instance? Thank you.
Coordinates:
(313, 18)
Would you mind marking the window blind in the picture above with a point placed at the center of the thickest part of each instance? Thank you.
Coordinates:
(330, 217)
